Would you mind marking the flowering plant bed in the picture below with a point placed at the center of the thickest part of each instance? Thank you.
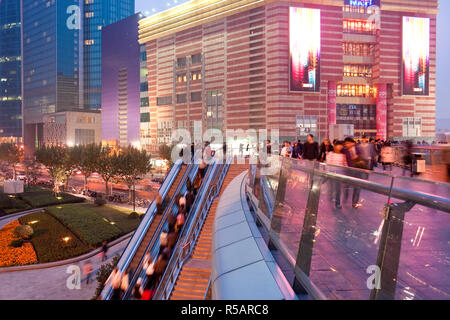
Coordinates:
(11, 255)
(52, 240)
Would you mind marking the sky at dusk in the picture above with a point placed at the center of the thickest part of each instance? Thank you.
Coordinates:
(149, 7)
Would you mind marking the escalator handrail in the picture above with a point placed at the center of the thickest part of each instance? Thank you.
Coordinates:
(139, 233)
(156, 234)
(190, 234)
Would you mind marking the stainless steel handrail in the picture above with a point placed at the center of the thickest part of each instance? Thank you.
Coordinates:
(318, 177)
(188, 242)
(155, 236)
(138, 235)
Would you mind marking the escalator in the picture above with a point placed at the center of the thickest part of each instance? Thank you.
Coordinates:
(156, 221)
(143, 235)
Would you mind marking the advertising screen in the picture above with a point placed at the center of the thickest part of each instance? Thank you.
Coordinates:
(416, 55)
(304, 48)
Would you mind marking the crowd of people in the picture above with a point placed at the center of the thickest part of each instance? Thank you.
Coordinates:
(365, 154)
(144, 289)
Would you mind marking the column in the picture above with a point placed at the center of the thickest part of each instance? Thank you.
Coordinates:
(382, 111)
(331, 103)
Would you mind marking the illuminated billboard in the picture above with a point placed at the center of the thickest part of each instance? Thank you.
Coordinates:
(304, 48)
(416, 56)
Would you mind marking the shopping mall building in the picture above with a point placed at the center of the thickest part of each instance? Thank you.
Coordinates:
(299, 67)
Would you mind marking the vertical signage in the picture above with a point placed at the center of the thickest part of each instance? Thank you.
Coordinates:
(382, 112)
(416, 56)
(304, 49)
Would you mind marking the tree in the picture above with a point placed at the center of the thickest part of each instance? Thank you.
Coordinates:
(12, 154)
(165, 152)
(71, 163)
(87, 160)
(54, 158)
(106, 165)
(132, 163)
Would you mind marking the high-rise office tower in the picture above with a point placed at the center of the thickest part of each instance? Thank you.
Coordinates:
(10, 72)
(62, 58)
(97, 14)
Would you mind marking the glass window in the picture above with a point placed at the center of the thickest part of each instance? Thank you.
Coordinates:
(196, 96)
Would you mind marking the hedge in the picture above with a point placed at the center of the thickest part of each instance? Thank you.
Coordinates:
(48, 238)
(86, 223)
(47, 198)
(12, 205)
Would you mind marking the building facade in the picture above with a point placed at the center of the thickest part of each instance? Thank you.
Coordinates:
(62, 58)
(121, 69)
(72, 128)
(297, 67)
(97, 14)
(10, 72)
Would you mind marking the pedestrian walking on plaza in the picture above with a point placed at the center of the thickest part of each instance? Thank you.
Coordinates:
(354, 160)
(336, 158)
(408, 158)
(387, 156)
(87, 271)
(325, 148)
(297, 150)
(310, 149)
(104, 251)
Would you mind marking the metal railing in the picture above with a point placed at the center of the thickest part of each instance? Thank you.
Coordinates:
(328, 247)
(153, 245)
(139, 234)
(191, 232)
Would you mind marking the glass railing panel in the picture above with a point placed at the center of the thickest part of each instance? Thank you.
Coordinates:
(345, 240)
(290, 203)
(423, 272)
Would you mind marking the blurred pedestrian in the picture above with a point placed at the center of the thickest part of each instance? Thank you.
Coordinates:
(115, 280)
(325, 148)
(124, 283)
(87, 270)
(159, 207)
(387, 156)
(104, 251)
(137, 290)
(336, 158)
(310, 149)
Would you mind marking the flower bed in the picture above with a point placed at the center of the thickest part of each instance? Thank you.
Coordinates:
(10, 256)
(86, 223)
(53, 241)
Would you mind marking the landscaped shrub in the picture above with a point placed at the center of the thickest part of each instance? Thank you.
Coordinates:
(133, 215)
(11, 256)
(99, 202)
(23, 232)
(86, 223)
(12, 204)
(53, 241)
(47, 198)
(16, 243)
(103, 274)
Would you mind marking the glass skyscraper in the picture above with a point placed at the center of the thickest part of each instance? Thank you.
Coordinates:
(97, 14)
(62, 57)
(10, 72)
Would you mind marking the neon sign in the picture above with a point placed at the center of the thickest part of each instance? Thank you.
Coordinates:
(362, 3)
(304, 49)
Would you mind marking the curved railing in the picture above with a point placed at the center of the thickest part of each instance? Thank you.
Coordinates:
(389, 245)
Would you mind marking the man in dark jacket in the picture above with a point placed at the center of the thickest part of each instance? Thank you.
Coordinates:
(311, 149)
